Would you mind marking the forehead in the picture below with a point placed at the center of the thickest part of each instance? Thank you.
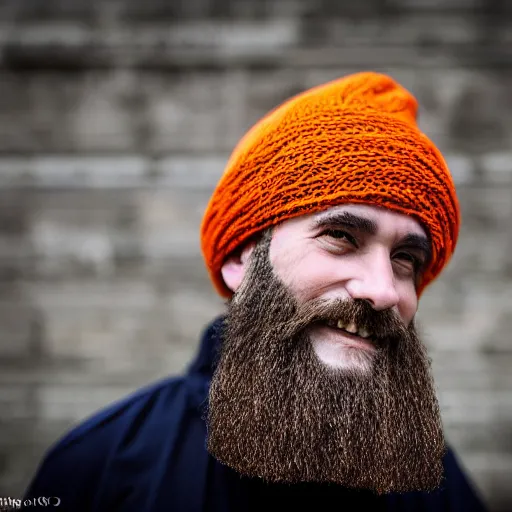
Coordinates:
(386, 220)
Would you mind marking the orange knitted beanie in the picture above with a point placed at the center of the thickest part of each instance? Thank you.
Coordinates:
(352, 140)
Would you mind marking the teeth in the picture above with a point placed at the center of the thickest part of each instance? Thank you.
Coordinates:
(351, 327)
(363, 333)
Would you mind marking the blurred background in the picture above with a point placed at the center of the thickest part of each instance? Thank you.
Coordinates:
(116, 119)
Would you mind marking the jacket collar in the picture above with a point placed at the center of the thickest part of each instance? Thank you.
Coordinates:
(211, 340)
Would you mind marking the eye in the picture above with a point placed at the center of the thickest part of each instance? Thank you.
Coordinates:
(338, 234)
(409, 260)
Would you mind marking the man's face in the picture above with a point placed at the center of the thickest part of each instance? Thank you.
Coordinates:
(351, 252)
(296, 398)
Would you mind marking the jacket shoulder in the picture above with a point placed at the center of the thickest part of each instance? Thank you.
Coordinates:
(74, 469)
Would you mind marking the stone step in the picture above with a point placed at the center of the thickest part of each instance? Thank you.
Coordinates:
(154, 10)
(128, 112)
(398, 38)
(189, 173)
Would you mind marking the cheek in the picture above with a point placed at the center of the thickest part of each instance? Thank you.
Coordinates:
(408, 304)
(293, 269)
(307, 279)
(307, 274)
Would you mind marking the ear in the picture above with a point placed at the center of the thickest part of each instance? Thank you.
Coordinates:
(235, 267)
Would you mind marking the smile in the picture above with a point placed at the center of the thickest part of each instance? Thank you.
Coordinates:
(350, 328)
(349, 336)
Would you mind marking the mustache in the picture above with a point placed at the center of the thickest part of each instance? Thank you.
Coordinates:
(384, 324)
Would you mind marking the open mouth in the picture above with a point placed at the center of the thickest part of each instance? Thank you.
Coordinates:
(350, 328)
(333, 341)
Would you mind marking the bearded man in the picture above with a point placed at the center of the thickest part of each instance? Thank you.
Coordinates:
(314, 389)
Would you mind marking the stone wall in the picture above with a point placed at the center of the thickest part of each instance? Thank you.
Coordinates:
(116, 119)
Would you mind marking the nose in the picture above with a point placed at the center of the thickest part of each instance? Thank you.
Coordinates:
(376, 284)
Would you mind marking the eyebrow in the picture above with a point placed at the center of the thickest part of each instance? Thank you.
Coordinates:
(370, 227)
(346, 220)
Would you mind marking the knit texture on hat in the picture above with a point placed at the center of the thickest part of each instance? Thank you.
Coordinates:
(352, 140)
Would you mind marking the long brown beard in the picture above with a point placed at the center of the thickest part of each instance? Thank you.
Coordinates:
(276, 412)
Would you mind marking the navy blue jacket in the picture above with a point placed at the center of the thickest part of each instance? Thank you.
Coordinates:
(147, 453)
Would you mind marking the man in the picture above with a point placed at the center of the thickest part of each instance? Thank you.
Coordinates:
(333, 215)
